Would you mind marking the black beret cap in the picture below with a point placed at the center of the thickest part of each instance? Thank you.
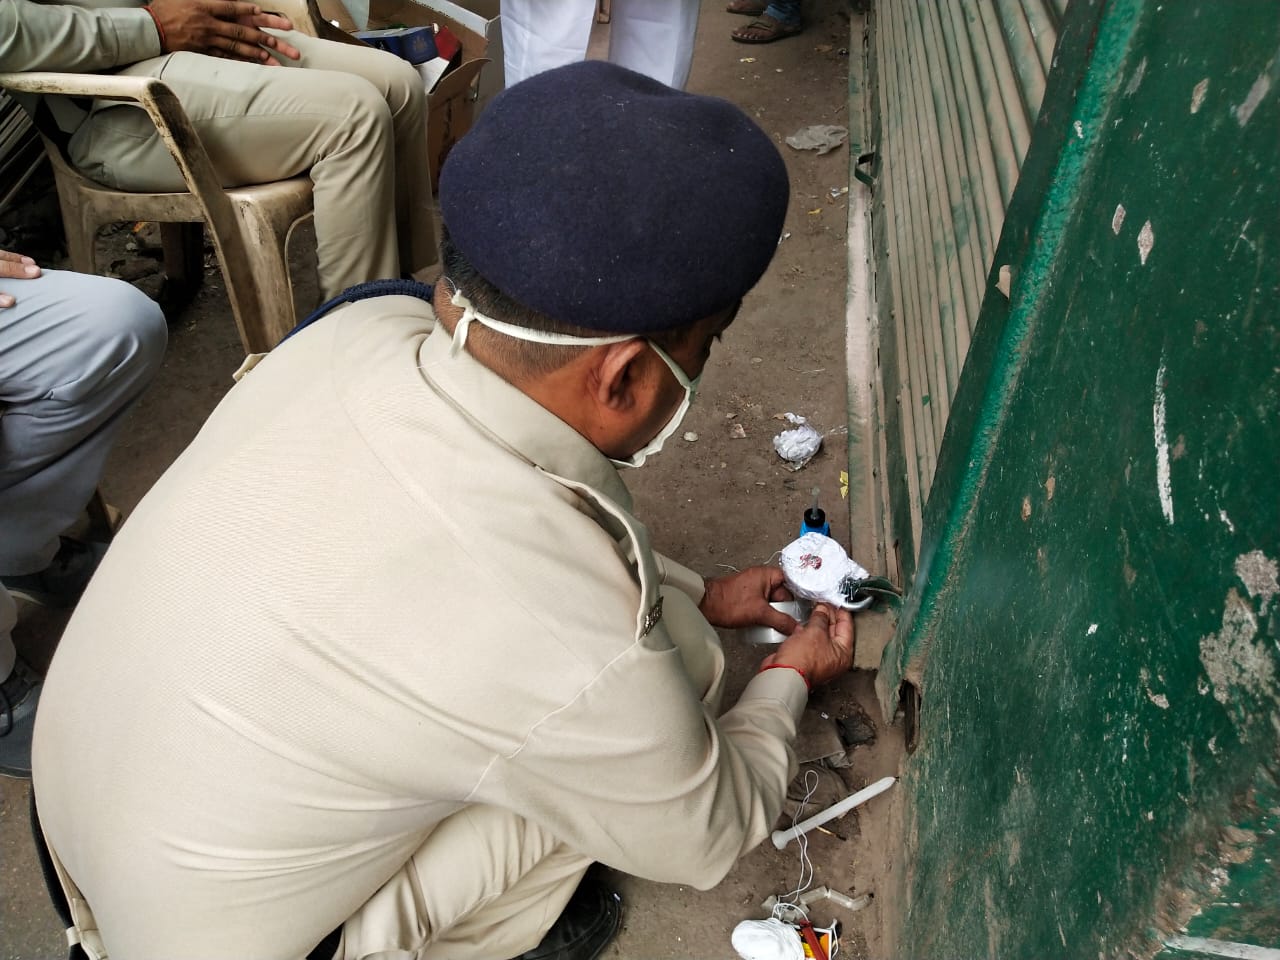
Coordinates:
(607, 200)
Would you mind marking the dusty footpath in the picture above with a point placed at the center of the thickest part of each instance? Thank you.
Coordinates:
(717, 498)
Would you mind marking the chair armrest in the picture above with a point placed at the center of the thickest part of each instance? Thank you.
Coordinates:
(182, 142)
(162, 106)
(104, 85)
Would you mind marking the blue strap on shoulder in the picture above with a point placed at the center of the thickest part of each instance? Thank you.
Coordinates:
(366, 291)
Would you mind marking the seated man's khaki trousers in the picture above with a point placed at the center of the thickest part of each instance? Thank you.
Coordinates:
(355, 117)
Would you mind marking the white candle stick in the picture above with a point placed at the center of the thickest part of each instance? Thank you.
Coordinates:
(782, 837)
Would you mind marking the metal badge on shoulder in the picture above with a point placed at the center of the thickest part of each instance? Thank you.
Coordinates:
(652, 617)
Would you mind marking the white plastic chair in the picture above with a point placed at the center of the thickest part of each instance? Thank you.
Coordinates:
(250, 226)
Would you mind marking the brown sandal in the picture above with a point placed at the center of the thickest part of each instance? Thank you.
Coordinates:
(765, 30)
(748, 8)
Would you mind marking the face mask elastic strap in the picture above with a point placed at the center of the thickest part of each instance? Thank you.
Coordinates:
(676, 371)
(470, 313)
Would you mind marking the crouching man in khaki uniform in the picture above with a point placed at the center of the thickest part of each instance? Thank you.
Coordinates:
(384, 661)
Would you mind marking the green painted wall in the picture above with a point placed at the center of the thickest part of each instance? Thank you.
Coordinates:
(1094, 622)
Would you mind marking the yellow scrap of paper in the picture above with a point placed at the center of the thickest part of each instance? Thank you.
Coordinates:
(844, 484)
(815, 212)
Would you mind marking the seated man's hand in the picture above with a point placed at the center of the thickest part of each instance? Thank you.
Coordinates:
(742, 600)
(14, 266)
(821, 648)
(221, 28)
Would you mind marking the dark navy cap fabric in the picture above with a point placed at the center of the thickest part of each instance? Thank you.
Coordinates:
(613, 202)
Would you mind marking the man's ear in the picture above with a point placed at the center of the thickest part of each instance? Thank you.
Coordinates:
(618, 375)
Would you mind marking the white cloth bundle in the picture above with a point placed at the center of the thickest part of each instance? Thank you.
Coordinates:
(816, 568)
(798, 445)
(766, 940)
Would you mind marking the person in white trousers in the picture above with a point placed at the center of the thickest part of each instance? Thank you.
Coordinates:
(75, 352)
(653, 37)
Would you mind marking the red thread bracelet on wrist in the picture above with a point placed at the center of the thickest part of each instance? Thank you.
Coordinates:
(159, 29)
(786, 666)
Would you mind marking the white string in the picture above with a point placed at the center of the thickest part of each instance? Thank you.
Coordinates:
(470, 314)
(792, 899)
(835, 941)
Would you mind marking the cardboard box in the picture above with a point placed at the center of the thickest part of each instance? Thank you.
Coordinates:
(451, 104)
(415, 44)
(482, 17)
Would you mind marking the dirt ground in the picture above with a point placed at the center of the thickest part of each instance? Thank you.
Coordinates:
(713, 500)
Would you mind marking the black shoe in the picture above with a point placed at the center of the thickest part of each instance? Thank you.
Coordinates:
(19, 696)
(588, 924)
(63, 580)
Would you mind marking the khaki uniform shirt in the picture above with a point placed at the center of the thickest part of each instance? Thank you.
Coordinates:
(380, 585)
(78, 36)
(82, 37)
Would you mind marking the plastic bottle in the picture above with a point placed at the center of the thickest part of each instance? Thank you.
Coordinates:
(815, 519)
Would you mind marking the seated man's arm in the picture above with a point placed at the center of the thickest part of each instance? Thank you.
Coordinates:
(36, 36)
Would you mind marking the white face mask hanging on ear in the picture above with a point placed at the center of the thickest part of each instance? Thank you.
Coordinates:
(637, 459)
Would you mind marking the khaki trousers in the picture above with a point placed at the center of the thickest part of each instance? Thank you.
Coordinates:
(355, 117)
(486, 885)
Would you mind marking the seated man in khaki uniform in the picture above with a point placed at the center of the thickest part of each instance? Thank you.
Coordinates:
(384, 661)
(355, 118)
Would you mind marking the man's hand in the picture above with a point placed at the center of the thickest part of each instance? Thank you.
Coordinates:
(221, 28)
(14, 266)
(742, 600)
(822, 648)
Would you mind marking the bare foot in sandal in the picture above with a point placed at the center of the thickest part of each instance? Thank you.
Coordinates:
(765, 30)
(748, 8)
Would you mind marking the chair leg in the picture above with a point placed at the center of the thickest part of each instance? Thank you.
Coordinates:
(82, 234)
(265, 324)
(78, 223)
(183, 246)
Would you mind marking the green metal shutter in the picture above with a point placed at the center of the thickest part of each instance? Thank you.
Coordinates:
(956, 87)
(1091, 637)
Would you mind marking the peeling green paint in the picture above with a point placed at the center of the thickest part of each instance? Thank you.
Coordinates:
(1093, 620)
